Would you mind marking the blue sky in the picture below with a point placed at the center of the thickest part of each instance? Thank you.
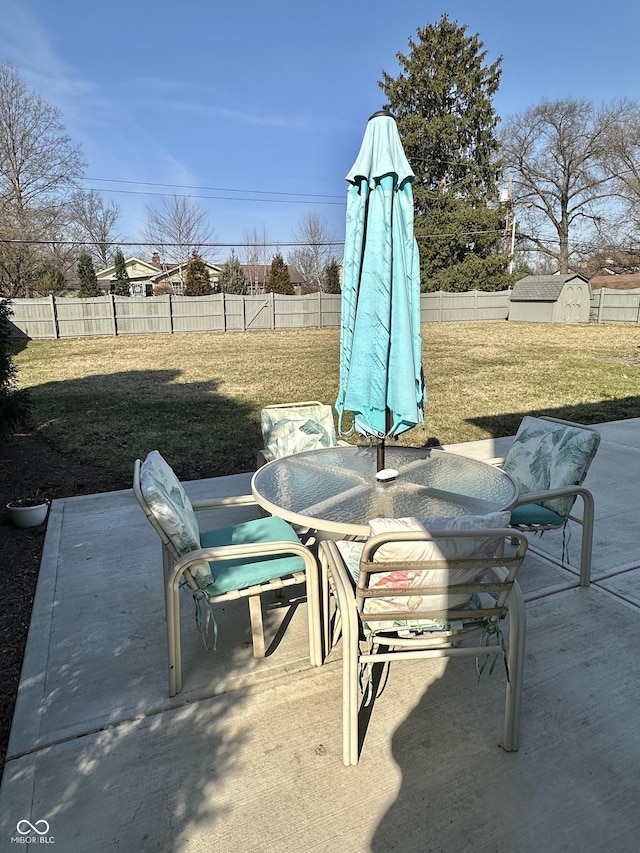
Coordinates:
(257, 110)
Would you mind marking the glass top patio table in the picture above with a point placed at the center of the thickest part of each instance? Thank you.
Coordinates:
(335, 490)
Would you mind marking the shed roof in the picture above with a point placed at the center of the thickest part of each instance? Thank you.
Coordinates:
(542, 288)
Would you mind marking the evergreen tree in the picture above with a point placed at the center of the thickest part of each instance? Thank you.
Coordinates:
(232, 279)
(279, 280)
(50, 280)
(442, 101)
(197, 281)
(87, 279)
(14, 404)
(122, 286)
(332, 277)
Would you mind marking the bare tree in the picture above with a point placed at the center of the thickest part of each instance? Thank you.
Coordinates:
(315, 251)
(623, 161)
(177, 230)
(39, 169)
(96, 220)
(556, 154)
(258, 252)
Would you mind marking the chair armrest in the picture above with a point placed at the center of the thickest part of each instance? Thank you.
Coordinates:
(264, 456)
(223, 503)
(536, 497)
(230, 552)
(331, 561)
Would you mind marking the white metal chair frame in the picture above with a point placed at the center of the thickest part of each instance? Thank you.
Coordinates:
(501, 572)
(176, 568)
(265, 455)
(586, 521)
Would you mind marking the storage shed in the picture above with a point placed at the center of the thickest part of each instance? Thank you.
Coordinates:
(551, 299)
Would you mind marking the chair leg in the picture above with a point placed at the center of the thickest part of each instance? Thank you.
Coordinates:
(586, 546)
(325, 604)
(257, 628)
(174, 650)
(515, 661)
(350, 642)
(314, 610)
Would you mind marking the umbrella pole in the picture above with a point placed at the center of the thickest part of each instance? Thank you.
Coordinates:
(380, 466)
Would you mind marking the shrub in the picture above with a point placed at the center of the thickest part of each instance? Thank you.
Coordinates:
(14, 404)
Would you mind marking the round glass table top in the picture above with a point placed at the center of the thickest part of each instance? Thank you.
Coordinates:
(336, 491)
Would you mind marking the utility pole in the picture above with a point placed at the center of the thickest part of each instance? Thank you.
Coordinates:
(506, 197)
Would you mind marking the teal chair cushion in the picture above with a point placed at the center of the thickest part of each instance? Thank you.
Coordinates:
(174, 512)
(546, 455)
(246, 571)
(534, 514)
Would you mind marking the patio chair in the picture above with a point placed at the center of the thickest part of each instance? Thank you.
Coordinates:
(223, 564)
(294, 427)
(549, 459)
(422, 588)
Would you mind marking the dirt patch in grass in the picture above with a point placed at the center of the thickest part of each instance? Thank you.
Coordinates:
(632, 360)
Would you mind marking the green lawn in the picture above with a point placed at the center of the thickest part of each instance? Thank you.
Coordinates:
(197, 397)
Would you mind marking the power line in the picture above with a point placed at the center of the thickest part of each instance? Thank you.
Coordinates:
(166, 244)
(218, 197)
(208, 189)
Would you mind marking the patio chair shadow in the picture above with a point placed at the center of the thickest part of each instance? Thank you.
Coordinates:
(105, 724)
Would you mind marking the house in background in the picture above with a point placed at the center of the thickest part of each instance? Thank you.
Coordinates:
(140, 273)
(154, 278)
(613, 281)
(551, 299)
(258, 274)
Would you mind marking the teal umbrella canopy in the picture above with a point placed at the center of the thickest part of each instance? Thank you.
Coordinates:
(381, 378)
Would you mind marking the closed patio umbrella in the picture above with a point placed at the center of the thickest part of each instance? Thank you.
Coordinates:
(381, 379)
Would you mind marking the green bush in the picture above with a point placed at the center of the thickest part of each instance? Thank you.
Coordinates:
(14, 404)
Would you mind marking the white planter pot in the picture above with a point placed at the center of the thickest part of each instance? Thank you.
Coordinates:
(27, 516)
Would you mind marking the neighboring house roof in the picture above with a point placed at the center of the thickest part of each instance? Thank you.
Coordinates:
(171, 271)
(543, 288)
(136, 269)
(630, 281)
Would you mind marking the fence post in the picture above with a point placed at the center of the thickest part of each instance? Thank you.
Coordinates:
(600, 305)
(170, 312)
(114, 321)
(54, 316)
(272, 306)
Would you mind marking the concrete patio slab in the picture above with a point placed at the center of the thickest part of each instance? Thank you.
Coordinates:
(248, 756)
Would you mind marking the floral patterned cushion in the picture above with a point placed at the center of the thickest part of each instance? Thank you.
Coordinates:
(288, 430)
(172, 508)
(545, 455)
(416, 552)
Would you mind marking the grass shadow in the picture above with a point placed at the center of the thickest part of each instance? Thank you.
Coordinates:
(507, 423)
(110, 419)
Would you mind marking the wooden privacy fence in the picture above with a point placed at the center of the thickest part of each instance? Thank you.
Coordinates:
(65, 317)
(615, 306)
